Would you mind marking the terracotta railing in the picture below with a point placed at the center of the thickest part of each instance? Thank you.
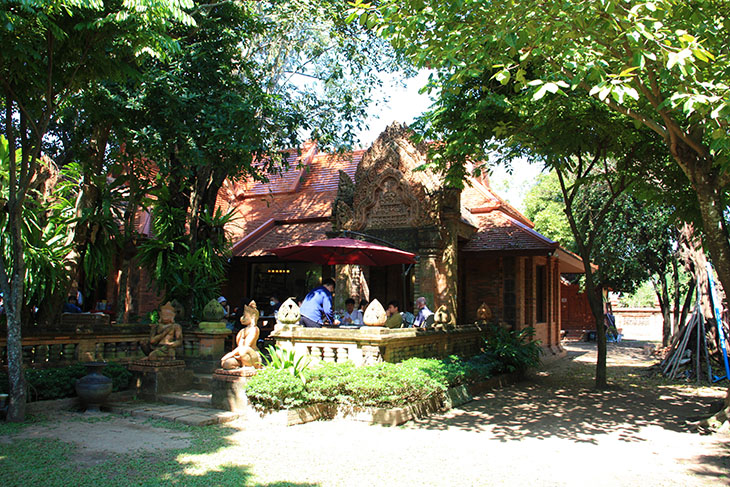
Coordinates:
(370, 345)
(123, 344)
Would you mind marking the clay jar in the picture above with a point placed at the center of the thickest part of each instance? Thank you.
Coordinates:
(93, 388)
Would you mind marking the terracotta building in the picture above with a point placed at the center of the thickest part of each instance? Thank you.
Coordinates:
(472, 246)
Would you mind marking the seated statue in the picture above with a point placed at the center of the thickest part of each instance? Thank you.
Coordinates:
(246, 354)
(165, 336)
(442, 319)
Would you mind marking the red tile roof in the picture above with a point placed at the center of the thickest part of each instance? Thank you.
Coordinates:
(280, 235)
(316, 191)
(499, 231)
(296, 206)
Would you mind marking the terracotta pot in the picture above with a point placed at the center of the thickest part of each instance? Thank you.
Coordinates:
(93, 388)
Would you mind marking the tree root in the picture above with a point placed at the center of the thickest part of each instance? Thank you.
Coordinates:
(718, 422)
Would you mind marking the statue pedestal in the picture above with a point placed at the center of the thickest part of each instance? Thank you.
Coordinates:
(228, 388)
(209, 347)
(150, 378)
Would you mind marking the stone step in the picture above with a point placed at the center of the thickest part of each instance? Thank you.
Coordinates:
(203, 382)
(190, 415)
(195, 398)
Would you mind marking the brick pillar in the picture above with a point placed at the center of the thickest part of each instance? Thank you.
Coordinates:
(520, 302)
(551, 299)
(425, 271)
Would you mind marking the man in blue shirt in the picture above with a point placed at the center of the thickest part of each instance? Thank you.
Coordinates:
(317, 306)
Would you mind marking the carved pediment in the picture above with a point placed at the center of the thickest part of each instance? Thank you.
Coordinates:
(389, 203)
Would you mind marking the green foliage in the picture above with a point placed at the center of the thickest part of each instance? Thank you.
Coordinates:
(59, 382)
(380, 385)
(545, 207)
(287, 360)
(275, 388)
(387, 385)
(43, 232)
(643, 296)
(515, 350)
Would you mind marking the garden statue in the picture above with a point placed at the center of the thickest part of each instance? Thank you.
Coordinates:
(484, 314)
(374, 314)
(213, 311)
(165, 336)
(288, 314)
(246, 354)
(442, 318)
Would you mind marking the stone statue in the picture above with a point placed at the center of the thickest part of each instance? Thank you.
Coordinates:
(442, 319)
(165, 336)
(213, 311)
(288, 314)
(484, 314)
(374, 314)
(246, 354)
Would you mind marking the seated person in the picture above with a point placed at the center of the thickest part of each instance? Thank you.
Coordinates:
(408, 319)
(395, 320)
(275, 304)
(224, 304)
(352, 315)
(423, 314)
(71, 305)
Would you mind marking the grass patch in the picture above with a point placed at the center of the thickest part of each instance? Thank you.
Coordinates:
(210, 460)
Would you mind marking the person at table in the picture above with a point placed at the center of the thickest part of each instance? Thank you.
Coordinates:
(70, 305)
(352, 315)
(224, 304)
(275, 304)
(395, 320)
(363, 306)
(316, 309)
(423, 313)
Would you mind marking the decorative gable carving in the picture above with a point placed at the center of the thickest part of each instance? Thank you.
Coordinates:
(388, 192)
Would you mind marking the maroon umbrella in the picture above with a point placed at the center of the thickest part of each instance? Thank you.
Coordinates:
(344, 251)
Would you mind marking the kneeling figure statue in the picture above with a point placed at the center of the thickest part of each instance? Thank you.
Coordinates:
(246, 354)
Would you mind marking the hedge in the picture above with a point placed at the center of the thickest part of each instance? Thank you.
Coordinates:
(59, 382)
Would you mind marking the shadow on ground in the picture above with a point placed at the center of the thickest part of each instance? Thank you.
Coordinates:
(55, 463)
(561, 402)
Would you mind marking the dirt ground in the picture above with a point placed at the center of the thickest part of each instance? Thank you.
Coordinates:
(553, 429)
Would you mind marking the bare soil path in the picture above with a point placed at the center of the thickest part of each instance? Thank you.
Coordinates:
(553, 429)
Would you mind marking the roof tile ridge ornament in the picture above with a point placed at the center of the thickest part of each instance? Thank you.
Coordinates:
(487, 191)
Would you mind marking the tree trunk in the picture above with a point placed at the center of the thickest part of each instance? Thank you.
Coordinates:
(595, 300)
(676, 297)
(13, 284)
(662, 293)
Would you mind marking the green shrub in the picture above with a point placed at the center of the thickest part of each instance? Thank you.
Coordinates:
(451, 371)
(60, 382)
(328, 382)
(119, 375)
(384, 384)
(387, 384)
(276, 389)
(287, 360)
(514, 350)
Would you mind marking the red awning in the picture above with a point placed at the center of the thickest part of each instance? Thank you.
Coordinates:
(344, 251)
